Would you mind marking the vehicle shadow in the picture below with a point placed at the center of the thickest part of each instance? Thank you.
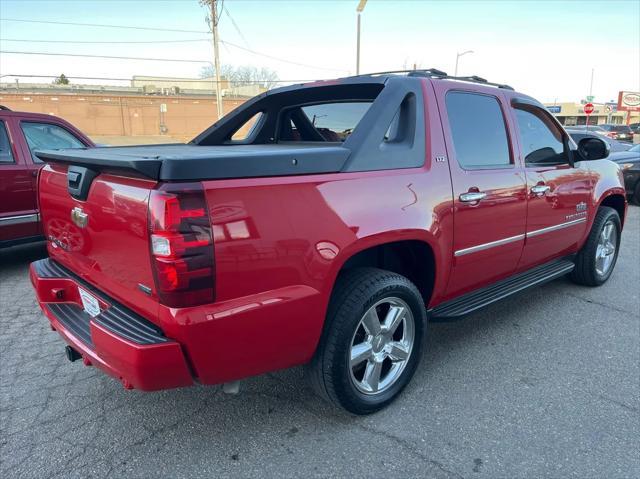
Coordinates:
(18, 257)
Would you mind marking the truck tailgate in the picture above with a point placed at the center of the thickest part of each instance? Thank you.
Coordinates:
(104, 238)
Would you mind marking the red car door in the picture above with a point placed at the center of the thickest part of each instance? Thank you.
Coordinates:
(18, 209)
(488, 186)
(558, 193)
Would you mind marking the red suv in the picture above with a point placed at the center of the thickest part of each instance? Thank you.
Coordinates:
(347, 214)
(20, 135)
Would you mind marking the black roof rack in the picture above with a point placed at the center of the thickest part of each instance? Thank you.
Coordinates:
(439, 74)
(477, 79)
(423, 72)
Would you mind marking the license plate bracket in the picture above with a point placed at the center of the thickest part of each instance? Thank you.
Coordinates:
(90, 303)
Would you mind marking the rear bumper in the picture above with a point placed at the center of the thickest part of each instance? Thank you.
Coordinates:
(118, 341)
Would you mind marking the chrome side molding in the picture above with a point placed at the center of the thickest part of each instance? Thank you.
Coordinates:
(511, 239)
(19, 219)
(555, 227)
(481, 247)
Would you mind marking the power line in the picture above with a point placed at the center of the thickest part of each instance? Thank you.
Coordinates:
(23, 40)
(106, 56)
(282, 59)
(169, 59)
(235, 25)
(102, 25)
(159, 79)
(249, 50)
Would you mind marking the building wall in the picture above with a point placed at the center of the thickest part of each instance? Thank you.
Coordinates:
(140, 81)
(129, 115)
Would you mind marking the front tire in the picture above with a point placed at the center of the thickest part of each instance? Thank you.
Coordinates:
(597, 258)
(372, 341)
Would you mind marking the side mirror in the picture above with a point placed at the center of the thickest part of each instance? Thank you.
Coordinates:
(593, 149)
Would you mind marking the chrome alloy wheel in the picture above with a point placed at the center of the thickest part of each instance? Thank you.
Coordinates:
(606, 249)
(381, 345)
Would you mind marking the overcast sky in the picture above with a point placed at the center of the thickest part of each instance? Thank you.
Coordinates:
(543, 48)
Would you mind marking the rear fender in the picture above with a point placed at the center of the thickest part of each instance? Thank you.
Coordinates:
(387, 237)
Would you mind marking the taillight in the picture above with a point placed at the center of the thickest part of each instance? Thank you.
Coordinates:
(181, 245)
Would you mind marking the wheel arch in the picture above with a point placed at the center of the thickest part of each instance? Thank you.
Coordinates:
(617, 200)
(414, 255)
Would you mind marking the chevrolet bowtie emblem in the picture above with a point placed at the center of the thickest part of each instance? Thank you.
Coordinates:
(79, 217)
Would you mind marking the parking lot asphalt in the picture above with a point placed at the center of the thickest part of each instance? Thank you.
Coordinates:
(545, 384)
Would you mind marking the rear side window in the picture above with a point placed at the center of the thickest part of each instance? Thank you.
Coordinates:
(332, 122)
(46, 136)
(478, 131)
(246, 130)
(541, 140)
(6, 156)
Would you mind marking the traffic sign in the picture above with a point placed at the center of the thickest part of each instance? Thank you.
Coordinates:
(588, 109)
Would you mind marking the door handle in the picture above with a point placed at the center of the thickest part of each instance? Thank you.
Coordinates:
(540, 190)
(472, 196)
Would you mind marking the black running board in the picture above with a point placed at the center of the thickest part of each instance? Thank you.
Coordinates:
(470, 302)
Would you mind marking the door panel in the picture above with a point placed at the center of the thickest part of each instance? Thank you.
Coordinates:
(488, 233)
(18, 215)
(558, 193)
(556, 220)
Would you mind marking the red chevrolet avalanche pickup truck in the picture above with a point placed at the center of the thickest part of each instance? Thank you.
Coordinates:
(320, 224)
(21, 134)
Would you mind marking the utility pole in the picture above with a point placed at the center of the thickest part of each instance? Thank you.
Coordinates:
(216, 56)
(359, 10)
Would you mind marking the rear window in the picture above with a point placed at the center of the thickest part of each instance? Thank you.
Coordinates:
(478, 131)
(246, 130)
(332, 122)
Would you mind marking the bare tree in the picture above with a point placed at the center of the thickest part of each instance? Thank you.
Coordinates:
(244, 75)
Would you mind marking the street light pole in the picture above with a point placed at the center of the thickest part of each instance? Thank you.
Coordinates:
(458, 55)
(216, 56)
(359, 11)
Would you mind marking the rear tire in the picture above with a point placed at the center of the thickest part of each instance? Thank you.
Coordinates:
(597, 258)
(372, 342)
(636, 194)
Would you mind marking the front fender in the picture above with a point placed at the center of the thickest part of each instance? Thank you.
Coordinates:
(607, 184)
(608, 181)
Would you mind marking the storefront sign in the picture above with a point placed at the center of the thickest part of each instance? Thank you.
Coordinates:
(628, 101)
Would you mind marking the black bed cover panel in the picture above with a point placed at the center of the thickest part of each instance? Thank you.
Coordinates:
(186, 162)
